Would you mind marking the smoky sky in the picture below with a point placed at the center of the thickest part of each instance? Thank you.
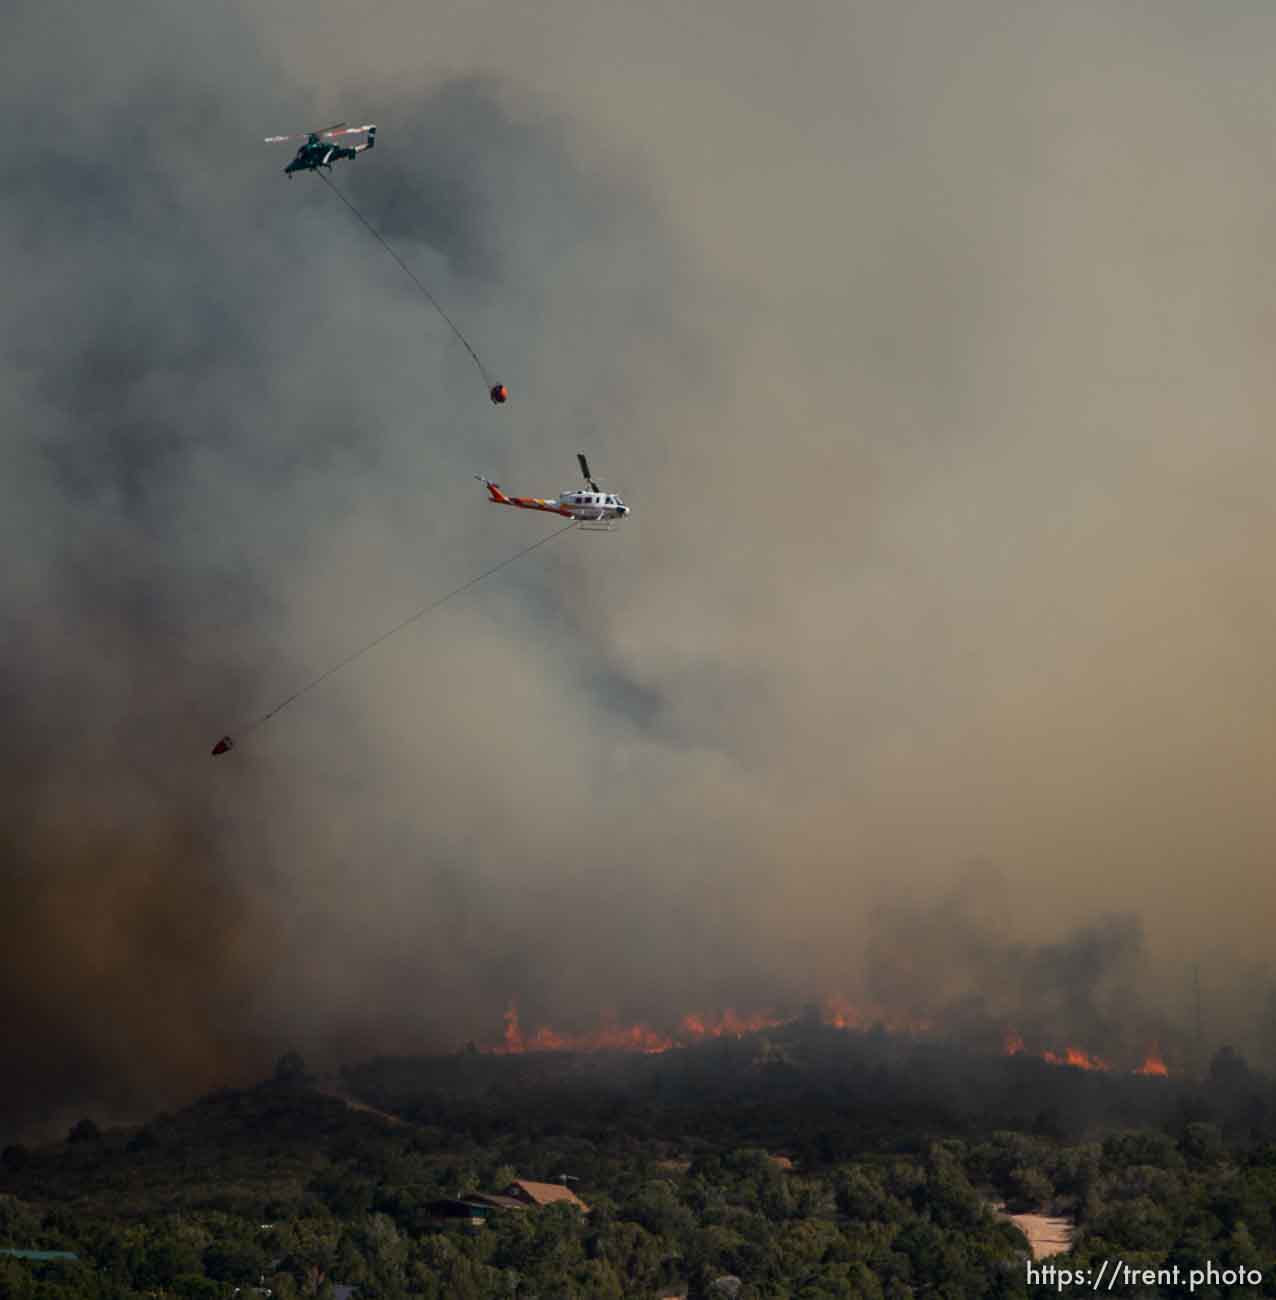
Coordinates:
(929, 345)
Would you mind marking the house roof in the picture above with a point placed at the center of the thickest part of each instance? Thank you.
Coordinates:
(545, 1193)
(522, 1193)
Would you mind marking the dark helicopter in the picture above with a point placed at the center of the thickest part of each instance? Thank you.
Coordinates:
(317, 152)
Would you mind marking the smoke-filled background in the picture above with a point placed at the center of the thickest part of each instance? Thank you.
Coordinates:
(930, 345)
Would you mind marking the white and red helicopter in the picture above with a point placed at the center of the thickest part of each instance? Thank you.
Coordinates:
(590, 506)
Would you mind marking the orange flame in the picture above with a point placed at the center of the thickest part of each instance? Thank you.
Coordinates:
(1153, 1065)
(693, 1028)
(1084, 1061)
(1076, 1058)
(513, 1035)
(608, 1037)
(1012, 1044)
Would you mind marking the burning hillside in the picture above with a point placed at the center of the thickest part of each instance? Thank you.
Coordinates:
(611, 1036)
(833, 1013)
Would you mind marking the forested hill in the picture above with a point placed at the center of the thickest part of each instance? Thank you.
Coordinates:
(798, 1176)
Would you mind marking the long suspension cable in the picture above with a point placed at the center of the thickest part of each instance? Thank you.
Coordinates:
(433, 301)
(227, 743)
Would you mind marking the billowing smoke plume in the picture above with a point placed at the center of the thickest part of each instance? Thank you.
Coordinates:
(931, 348)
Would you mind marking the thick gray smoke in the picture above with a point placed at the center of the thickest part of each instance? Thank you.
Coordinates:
(931, 346)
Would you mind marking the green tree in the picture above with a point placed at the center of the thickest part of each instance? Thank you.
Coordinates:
(1201, 1144)
(238, 1261)
(1030, 1190)
(193, 1287)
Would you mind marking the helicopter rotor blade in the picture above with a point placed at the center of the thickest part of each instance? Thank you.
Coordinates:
(305, 135)
(584, 470)
(354, 130)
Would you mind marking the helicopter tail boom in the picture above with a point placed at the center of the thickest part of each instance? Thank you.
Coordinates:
(493, 491)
